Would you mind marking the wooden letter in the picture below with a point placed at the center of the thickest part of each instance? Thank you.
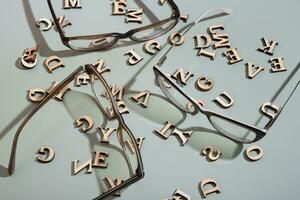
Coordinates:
(250, 72)
(213, 183)
(132, 15)
(184, 18)
(118, 7)
(268, 46)
(86, 165)
(46, 22)
(36, 94)
(122, 108)
(205, 53)
(182, 135)
(180, 195)
(113, 183)
(55, 63)
(176, 39)
(101, 67)
(272, 107)
(134, 58)
(161, 2)
(99, 160)
(63, 23)
(61, 93)
(151, 47)
(145, 95)
(105, 133)
(232, 56)
(277, 64)
(72, 4)
(48, 152)
(29, 57)
(206, 39)
(166, 130)
(116, 92)
(204, 84)
(226, 101)
(84, 119)
(82, 79)
(257, 149)
(222, 39)
(182, 76)
(211, 153)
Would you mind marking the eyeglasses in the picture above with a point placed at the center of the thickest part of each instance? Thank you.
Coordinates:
(227, 126)
(157, 101)
(107, 40)
(124, 143)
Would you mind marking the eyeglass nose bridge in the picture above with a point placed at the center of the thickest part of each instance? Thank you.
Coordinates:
(120, 35)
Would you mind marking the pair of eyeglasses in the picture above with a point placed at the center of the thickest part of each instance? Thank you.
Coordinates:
(119, 145)
(107, 40)
(229, 127)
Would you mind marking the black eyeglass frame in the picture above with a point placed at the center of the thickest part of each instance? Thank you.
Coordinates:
(259, 132)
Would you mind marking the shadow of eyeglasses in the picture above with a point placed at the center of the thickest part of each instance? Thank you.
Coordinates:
(77, 104)
(166, 104)
(161, 109)
(202, 137)
(162, 102)
(281, 88)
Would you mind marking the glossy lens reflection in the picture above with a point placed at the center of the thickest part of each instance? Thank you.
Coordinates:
(89, 44)
(158, 108)
(153, 32)
(232, 130)
(203, 137)
(122, 161)
(174, 95)
(110, 147)
(101, 96)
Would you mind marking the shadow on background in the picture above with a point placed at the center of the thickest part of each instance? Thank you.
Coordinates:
(46, 51)
(281, 88)
(158, 111)
(8, 128)
(196, 141)
(203, 137)
(161, 109)
(78, 104)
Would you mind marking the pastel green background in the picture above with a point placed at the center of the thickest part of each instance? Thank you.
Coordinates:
(168, 165)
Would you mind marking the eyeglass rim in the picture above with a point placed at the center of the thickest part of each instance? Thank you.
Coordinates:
(66, 39)
(260, 133)
(89, 69)
(139, 174)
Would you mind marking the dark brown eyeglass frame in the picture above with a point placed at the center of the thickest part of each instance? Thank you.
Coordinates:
(91, 70)
(129, 34)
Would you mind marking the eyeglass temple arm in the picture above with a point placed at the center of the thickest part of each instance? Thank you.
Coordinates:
(174, 7)
(271, 122)
(59, 28)
(11, 165)
(209, 14)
